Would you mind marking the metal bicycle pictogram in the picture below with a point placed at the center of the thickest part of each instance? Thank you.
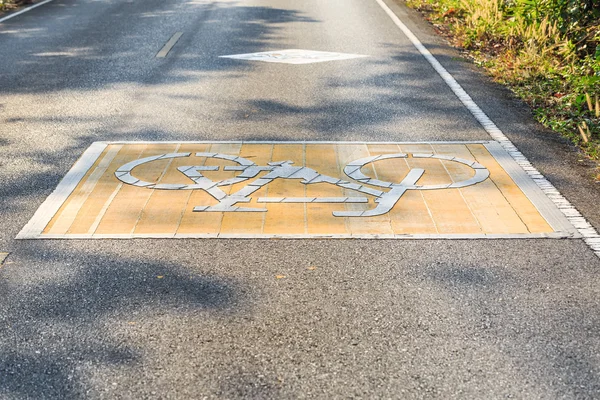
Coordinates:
(385, 200)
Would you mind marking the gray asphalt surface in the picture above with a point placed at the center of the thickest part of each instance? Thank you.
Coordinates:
(375, 319)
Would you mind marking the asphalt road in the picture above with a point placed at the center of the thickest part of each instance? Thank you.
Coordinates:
(368, 319)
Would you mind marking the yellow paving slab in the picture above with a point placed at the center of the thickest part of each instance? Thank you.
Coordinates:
(165, 208)
(71, 208)
(448, 208)
(104, 188)
(378, 225)
(101, 205)
(410, 215)
(251, 222)
(287, 219)
(489, 206)
(322, 158)
(491, 210)
(207, 223)
(515, 196)
(125, 209)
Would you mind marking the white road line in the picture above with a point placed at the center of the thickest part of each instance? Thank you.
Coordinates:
(169, 45)
(24, 10)
(50, 207)
(71, 210)
(586, 230)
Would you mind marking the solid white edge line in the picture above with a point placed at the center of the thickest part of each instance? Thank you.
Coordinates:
(24, 11)
(587, 231)
(52, 204)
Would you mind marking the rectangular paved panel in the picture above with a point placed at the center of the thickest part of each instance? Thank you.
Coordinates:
(299, 189)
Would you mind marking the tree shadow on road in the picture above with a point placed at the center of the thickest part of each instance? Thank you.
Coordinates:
(83, 313)
(386, 98)
(92, 55)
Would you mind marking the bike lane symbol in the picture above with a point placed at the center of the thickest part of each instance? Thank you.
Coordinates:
(385, 200)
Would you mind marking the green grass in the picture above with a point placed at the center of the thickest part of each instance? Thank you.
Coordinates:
(546, 51)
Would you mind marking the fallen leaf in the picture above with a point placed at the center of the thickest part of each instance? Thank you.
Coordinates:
(450, 12)
(160, 276)
(279, 276)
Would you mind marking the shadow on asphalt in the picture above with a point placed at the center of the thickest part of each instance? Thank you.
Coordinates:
(99, 56)
(90, 309)
(507, 321)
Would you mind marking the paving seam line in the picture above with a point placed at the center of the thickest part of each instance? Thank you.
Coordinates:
(9, 16)
(587, 231)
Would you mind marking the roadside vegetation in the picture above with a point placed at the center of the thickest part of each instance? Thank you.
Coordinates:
(546, 51)
(6, 5)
